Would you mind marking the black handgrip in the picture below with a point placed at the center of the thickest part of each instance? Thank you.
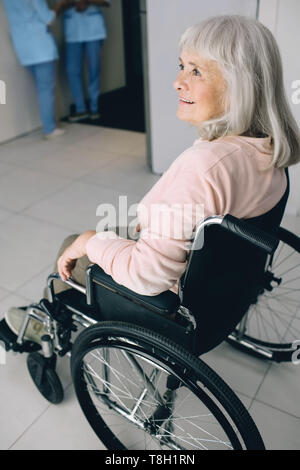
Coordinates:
(250, 233)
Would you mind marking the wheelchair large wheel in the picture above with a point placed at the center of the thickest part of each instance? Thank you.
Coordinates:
(141, 391)
(271, 327)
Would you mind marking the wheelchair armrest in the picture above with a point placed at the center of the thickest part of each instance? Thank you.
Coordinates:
(250, 233)
(165, 303)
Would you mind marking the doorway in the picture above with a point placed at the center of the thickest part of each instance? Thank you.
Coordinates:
(123, 108)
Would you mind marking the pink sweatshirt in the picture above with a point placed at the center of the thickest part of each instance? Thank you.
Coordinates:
(223, 175)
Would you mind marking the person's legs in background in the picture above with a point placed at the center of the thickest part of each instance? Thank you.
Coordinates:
(45, 78)
(74, 67)
(93, 53)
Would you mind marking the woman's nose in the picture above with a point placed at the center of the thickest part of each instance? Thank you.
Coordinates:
(180, 83)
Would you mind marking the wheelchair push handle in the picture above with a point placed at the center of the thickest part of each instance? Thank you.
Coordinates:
(250, 233)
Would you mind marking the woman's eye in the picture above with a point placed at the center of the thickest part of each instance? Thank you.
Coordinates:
(180, 66)
(196, 72)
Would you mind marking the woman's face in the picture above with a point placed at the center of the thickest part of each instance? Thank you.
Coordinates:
(200, 87)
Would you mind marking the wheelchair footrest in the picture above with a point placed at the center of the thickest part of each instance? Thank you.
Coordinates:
(10, 340)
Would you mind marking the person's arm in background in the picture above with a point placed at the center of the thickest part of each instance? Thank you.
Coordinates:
(82, 5)
(63, 5)
(100, 3)
(47, 15)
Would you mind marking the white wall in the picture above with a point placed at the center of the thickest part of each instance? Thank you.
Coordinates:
(166, 21)
(113, 70)
(20, 113)
(282, 18)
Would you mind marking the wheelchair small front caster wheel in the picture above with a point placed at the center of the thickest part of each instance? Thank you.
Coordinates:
(45, 378)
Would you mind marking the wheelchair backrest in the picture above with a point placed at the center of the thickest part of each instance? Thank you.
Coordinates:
(224, 277)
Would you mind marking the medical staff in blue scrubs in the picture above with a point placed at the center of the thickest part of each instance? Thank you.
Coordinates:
(85, 31)
(36, 49)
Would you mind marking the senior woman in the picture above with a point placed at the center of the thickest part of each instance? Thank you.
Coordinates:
(230, 87)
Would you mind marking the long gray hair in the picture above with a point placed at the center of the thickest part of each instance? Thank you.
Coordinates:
(255, 103)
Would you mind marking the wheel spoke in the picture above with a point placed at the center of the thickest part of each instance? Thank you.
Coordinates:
(282, 261)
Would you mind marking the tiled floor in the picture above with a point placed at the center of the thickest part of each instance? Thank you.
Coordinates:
(51, 189)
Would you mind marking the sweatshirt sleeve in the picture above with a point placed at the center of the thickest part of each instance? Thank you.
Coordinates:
(45, 14)
(154, 263)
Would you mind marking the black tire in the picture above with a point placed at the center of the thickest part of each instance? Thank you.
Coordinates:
(226, 414)
(272, 328)
(50, 385)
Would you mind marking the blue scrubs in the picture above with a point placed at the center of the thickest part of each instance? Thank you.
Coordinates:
(28, 21)
(84, 26)
(84, 34)
(36, 49)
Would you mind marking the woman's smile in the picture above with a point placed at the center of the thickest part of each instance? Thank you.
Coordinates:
(185, 101)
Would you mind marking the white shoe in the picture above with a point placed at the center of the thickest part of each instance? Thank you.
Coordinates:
(14, 318)
(56, 133)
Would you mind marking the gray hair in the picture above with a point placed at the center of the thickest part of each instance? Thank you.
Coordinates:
(255, 103)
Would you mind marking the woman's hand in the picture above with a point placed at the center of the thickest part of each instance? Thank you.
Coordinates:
(67, 261)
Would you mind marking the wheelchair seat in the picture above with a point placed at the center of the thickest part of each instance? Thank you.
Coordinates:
(164, 304)
(157, 313)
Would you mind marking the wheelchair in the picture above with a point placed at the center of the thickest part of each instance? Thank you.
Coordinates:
(135, 359)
